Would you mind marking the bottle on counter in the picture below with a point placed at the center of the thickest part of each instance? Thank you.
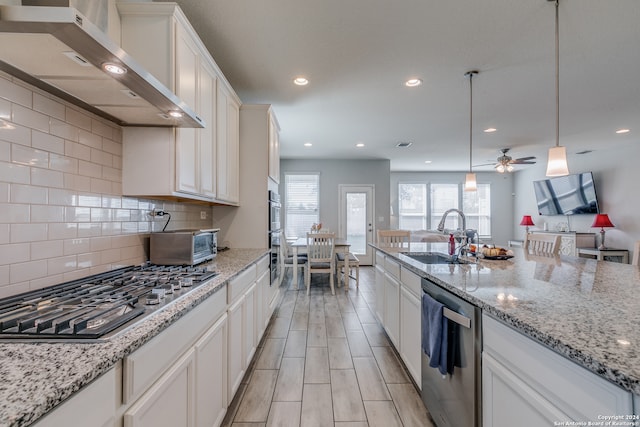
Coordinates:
(452, 244)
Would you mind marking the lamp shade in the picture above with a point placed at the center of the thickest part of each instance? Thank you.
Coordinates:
(602, 220)
(526, 220)
(470, 182)
(557, 163)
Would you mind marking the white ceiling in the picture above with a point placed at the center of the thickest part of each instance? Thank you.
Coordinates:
(358, 53)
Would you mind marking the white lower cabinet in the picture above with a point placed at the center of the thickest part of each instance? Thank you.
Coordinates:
(211, 379)
(379, 284)
(392, 309)
(249, 324)
(527, 384)
(410, 337)
(94, 405)
(170, 401)
(234, 347)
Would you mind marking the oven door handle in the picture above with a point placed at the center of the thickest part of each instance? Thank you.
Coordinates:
(456, 317)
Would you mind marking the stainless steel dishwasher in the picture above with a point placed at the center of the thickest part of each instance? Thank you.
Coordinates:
(455, 400)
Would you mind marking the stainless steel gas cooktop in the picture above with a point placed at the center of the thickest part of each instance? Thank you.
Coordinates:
(97, 305)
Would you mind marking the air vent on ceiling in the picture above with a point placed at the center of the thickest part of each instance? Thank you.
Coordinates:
(404, 144)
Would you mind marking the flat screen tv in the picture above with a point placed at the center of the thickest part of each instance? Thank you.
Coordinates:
(566, 195)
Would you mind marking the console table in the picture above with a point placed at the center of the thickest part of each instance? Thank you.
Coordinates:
(572, 240)
(601, 254)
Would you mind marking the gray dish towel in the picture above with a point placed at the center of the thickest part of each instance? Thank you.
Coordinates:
(434, 333)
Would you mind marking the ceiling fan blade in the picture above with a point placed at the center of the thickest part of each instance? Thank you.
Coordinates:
(485, 164)
(525, 158)
(522, 162)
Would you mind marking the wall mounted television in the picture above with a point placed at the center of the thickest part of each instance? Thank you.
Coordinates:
(566, 195)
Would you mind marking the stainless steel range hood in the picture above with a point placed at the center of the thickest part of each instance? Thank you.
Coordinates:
(61, 51)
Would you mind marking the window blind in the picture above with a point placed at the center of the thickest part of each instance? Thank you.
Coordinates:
(301, 206)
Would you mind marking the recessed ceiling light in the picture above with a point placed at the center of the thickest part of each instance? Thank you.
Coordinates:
(489, 130)
(112, 68)
(413, 82)
(623, 131)
(359, 145)
(308, 144)
(300, 81)
(427, 161)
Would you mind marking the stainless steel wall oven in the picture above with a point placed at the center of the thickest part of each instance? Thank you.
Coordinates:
(275, 234)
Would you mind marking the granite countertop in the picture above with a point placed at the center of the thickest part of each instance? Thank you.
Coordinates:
(585, 310)
(38, 376)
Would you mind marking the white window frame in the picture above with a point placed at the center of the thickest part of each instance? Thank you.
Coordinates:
(299, 230)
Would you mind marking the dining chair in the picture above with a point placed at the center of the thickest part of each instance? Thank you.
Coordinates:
(320, 257)
(286, 261)
(636, 254)
(394, 238)
(352, 267)
(542, 243)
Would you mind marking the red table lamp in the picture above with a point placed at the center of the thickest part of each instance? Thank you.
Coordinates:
(526, 221)
(602, 221)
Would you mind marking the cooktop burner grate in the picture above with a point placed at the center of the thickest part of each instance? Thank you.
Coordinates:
(94, 306)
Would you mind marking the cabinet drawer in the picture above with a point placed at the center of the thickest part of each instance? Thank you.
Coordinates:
(576, 391)
(239, 284)
(392, 267)
(144, 366)
(263, 265)
(411, 282)
(380, 259)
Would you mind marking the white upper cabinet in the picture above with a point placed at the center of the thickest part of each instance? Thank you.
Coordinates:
(274, 148)
(198, 164)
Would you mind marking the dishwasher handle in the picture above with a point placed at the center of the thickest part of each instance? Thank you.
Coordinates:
(456, 317)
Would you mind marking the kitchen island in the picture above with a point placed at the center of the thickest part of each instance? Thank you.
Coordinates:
(37, 376)
(584, 310)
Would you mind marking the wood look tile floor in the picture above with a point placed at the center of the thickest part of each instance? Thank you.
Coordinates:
(324, 361)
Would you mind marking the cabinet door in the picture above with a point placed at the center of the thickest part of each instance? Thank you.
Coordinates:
(508, 401)
(235, 362)
(207, 136)
(170, 401)
(187, 63)
(392, 308)
(233, 152)
(262, 304)
(274, 149)
(222, 145)
(380, 299)
(568, 245)
(410, 334)
(249, 324)
(211, 375)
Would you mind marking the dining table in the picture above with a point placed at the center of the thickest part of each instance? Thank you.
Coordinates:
(341, 246)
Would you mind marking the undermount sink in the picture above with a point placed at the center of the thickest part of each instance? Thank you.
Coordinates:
(433, 258)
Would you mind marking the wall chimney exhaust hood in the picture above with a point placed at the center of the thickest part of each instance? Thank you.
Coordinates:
(62, 52)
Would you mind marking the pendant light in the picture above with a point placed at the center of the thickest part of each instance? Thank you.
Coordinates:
(557, 161)
(470, 181)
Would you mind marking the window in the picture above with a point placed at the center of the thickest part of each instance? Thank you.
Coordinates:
(415, 211)
(301, 203)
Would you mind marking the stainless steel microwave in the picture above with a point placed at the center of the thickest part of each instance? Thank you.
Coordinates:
(183, 247)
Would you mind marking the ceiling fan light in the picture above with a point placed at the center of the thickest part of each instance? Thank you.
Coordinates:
(557, 162)
(470, 182)
(500, 168)
(509, 168)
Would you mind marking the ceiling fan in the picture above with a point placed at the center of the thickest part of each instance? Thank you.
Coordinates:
(505, 162)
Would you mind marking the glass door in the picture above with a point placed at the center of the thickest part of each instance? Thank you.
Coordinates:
(356, 220)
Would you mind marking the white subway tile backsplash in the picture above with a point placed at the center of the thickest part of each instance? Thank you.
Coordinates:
(78, 119)
(48, 106)
(15, 133)
(15, 93)
(77, 246)
(63, 163)
(47, 178)
(62, 264)
(13, 253)
(63, 230)
(14, 213)
(44, 213)
(21, 193)
(29, 156)
(62, 213)
(25, 271)
(28, 117)
(46, 249)
(89, 139)
(64, 130)
(46, 142)
(77, 150)
(77, 182)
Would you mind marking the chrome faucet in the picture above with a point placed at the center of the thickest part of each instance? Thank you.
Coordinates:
(444, 218)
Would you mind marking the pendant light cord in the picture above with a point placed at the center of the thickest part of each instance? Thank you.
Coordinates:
(557, 76)
(470, 74)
